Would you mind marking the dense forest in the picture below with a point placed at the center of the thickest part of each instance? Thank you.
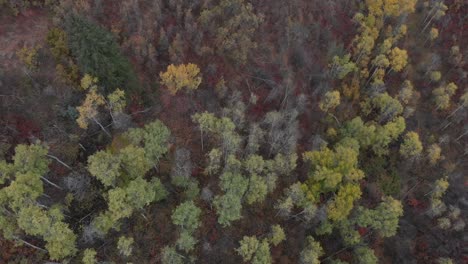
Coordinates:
(233, 131)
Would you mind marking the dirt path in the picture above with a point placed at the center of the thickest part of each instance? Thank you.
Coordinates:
(27, 29)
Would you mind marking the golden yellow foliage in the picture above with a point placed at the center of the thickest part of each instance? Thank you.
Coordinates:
(88, 110)
(182, 76)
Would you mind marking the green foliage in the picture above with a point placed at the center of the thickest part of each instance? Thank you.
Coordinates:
(125, 245)
(60, 241)
(384, 218)
(342, 205)
(257, 190)
(387, 133)
(170, 256)
(134, 161)
(387, 107)
(443, 94)
(186, 242)
(97, 53)
(187, 216)
(365, 255)
(411, 146)
(105, 167)
(89, 256)
(154, 138)
(255, 251)
(329, 168)
(31, 158)
(21, 210)
(228, 207)
(348, 233)
(311, 252)
(277, 235)
(342, 66)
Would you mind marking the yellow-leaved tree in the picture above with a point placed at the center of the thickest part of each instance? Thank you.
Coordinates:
(181, 76)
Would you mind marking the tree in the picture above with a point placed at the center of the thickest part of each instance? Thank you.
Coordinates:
(343, 203)
(365, 255)
(89, 256)
(22, 213)
(88, 111)
(257, 189)
(262, 256)
(97, 53)
(435, 76)
(411, 146)
(342, 66)
(385, 134)
(134, 162)
(329, 168)
(181, 76)
(232, 23)
(170, 256)
(406, 93)
(311, 252)
(398, 59)
(387, 107)
(186, 242)
(257, 252)
(248, 247)
(433, 153)
(443, 94)
(228, 207)
(153, 137)
(187, 216)
(105, 167)
(384, 218)
(60, 241)
(125, 245)
(330, 101)
(116, 101)
(276, 235)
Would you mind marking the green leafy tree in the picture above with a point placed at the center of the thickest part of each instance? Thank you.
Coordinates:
(434, 154)
(98, 53)
(342, 66)
(342, 205)
(89, 256)
(228, 207)
(105, 167)
(186, 242)
(384, 218)
(257, 189)
(277, 235)
(311, 252)
(153, 137)
(170, 256)
(443, 94)
(187, 216)
(125, 245)
(387, 107)
(411, 146)
(365, 255)
(22, 213)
